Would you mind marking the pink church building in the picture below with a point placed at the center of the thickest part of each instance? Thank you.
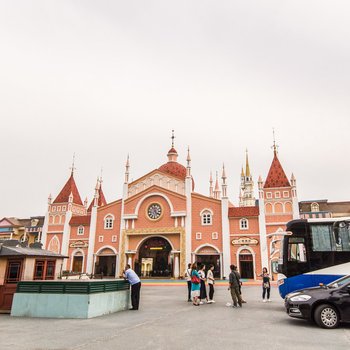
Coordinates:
(161, 223)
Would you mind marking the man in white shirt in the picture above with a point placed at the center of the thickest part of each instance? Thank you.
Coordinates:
(188, 276)
(135, 282)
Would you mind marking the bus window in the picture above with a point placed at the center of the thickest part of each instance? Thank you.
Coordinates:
(343, 239)
(321, 238)
(296, 250)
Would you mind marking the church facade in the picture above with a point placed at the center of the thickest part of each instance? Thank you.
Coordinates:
(161, 224)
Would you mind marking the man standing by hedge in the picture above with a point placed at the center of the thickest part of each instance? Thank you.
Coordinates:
(135, 282)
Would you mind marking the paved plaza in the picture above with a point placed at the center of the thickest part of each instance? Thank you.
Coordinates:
(167, 321)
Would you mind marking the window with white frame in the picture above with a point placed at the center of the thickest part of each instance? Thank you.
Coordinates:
(285, 194)
(243, 224)
(80, 230)
(277, 194)
(198, 235)
(214, 235)
(109, 219)
(268, 195)
(100, 239)
(114, 239)
(207, 217)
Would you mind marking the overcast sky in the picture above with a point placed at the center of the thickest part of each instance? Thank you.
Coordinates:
(107, 78)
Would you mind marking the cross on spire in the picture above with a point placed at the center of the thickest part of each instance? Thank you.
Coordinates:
(72, 168)
(274, 147)
(172, 138)
(101, 173)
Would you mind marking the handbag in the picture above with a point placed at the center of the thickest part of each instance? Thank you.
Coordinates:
(195, 279)
(266, 285)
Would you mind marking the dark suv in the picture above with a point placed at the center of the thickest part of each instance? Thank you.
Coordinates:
(327, 305)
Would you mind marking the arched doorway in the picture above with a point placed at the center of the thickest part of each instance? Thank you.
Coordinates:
(246, 264)
(154, 258)
(106, 262)
(207, 256)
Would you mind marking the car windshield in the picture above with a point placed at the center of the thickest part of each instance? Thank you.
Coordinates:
(340, 282)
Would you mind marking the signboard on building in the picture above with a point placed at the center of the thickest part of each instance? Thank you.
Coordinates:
(79, 244)
(245, 241)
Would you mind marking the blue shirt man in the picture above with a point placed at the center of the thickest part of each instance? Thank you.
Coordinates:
(135, 282)
(131, 276)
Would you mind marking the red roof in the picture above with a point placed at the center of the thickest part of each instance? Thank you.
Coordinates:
(174, 168)
(237, 212)
(101, 200)
(80, 220)
(276, 176)
(69, 188)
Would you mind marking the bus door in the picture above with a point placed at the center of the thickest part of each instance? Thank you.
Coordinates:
(298, 263)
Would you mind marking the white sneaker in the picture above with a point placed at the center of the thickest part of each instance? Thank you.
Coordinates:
(228, 304)
(264, 300)
(212, 301)
(268, 300)
(201, 303)
(209, 301)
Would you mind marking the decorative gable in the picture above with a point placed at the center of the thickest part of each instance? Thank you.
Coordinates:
(157, 178)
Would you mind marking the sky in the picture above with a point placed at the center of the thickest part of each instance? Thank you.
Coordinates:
(103, 79)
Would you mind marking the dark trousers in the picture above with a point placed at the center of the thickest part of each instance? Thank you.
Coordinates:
(135, 295)
(203, 291)
(264, 292)
(211, 291)
(189, 286)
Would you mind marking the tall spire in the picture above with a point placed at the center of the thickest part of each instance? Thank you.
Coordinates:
(127, 167)
(188, 169)
(247, 169)
(211, 189)
(217, 188)
(224, 184)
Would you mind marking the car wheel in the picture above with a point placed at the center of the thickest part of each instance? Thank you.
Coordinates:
(326, 316)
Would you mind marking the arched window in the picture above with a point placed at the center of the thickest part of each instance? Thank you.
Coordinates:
(207, 217)
(80, 230)
(109, 219)
(243, 224)
(315, 207)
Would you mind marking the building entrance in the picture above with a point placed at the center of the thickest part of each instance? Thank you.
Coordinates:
(246, 266)
(105, 263)
(77, 263)
(209, 256)
(154, 258)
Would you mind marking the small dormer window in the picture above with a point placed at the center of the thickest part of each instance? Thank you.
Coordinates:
(109, 219)
(315, 207)
(206, 217)
(80, 230)
(243, 224)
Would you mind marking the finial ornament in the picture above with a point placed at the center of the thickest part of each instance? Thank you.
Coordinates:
(101, 173)
(172, 138)
(274, 147)
(72, 168)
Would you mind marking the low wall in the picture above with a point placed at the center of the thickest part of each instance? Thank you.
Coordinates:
(70, 299)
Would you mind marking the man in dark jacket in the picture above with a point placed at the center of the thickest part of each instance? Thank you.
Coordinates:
(234, 280)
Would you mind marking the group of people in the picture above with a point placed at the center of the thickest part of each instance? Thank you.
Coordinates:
(197, 291)
(196, 283)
